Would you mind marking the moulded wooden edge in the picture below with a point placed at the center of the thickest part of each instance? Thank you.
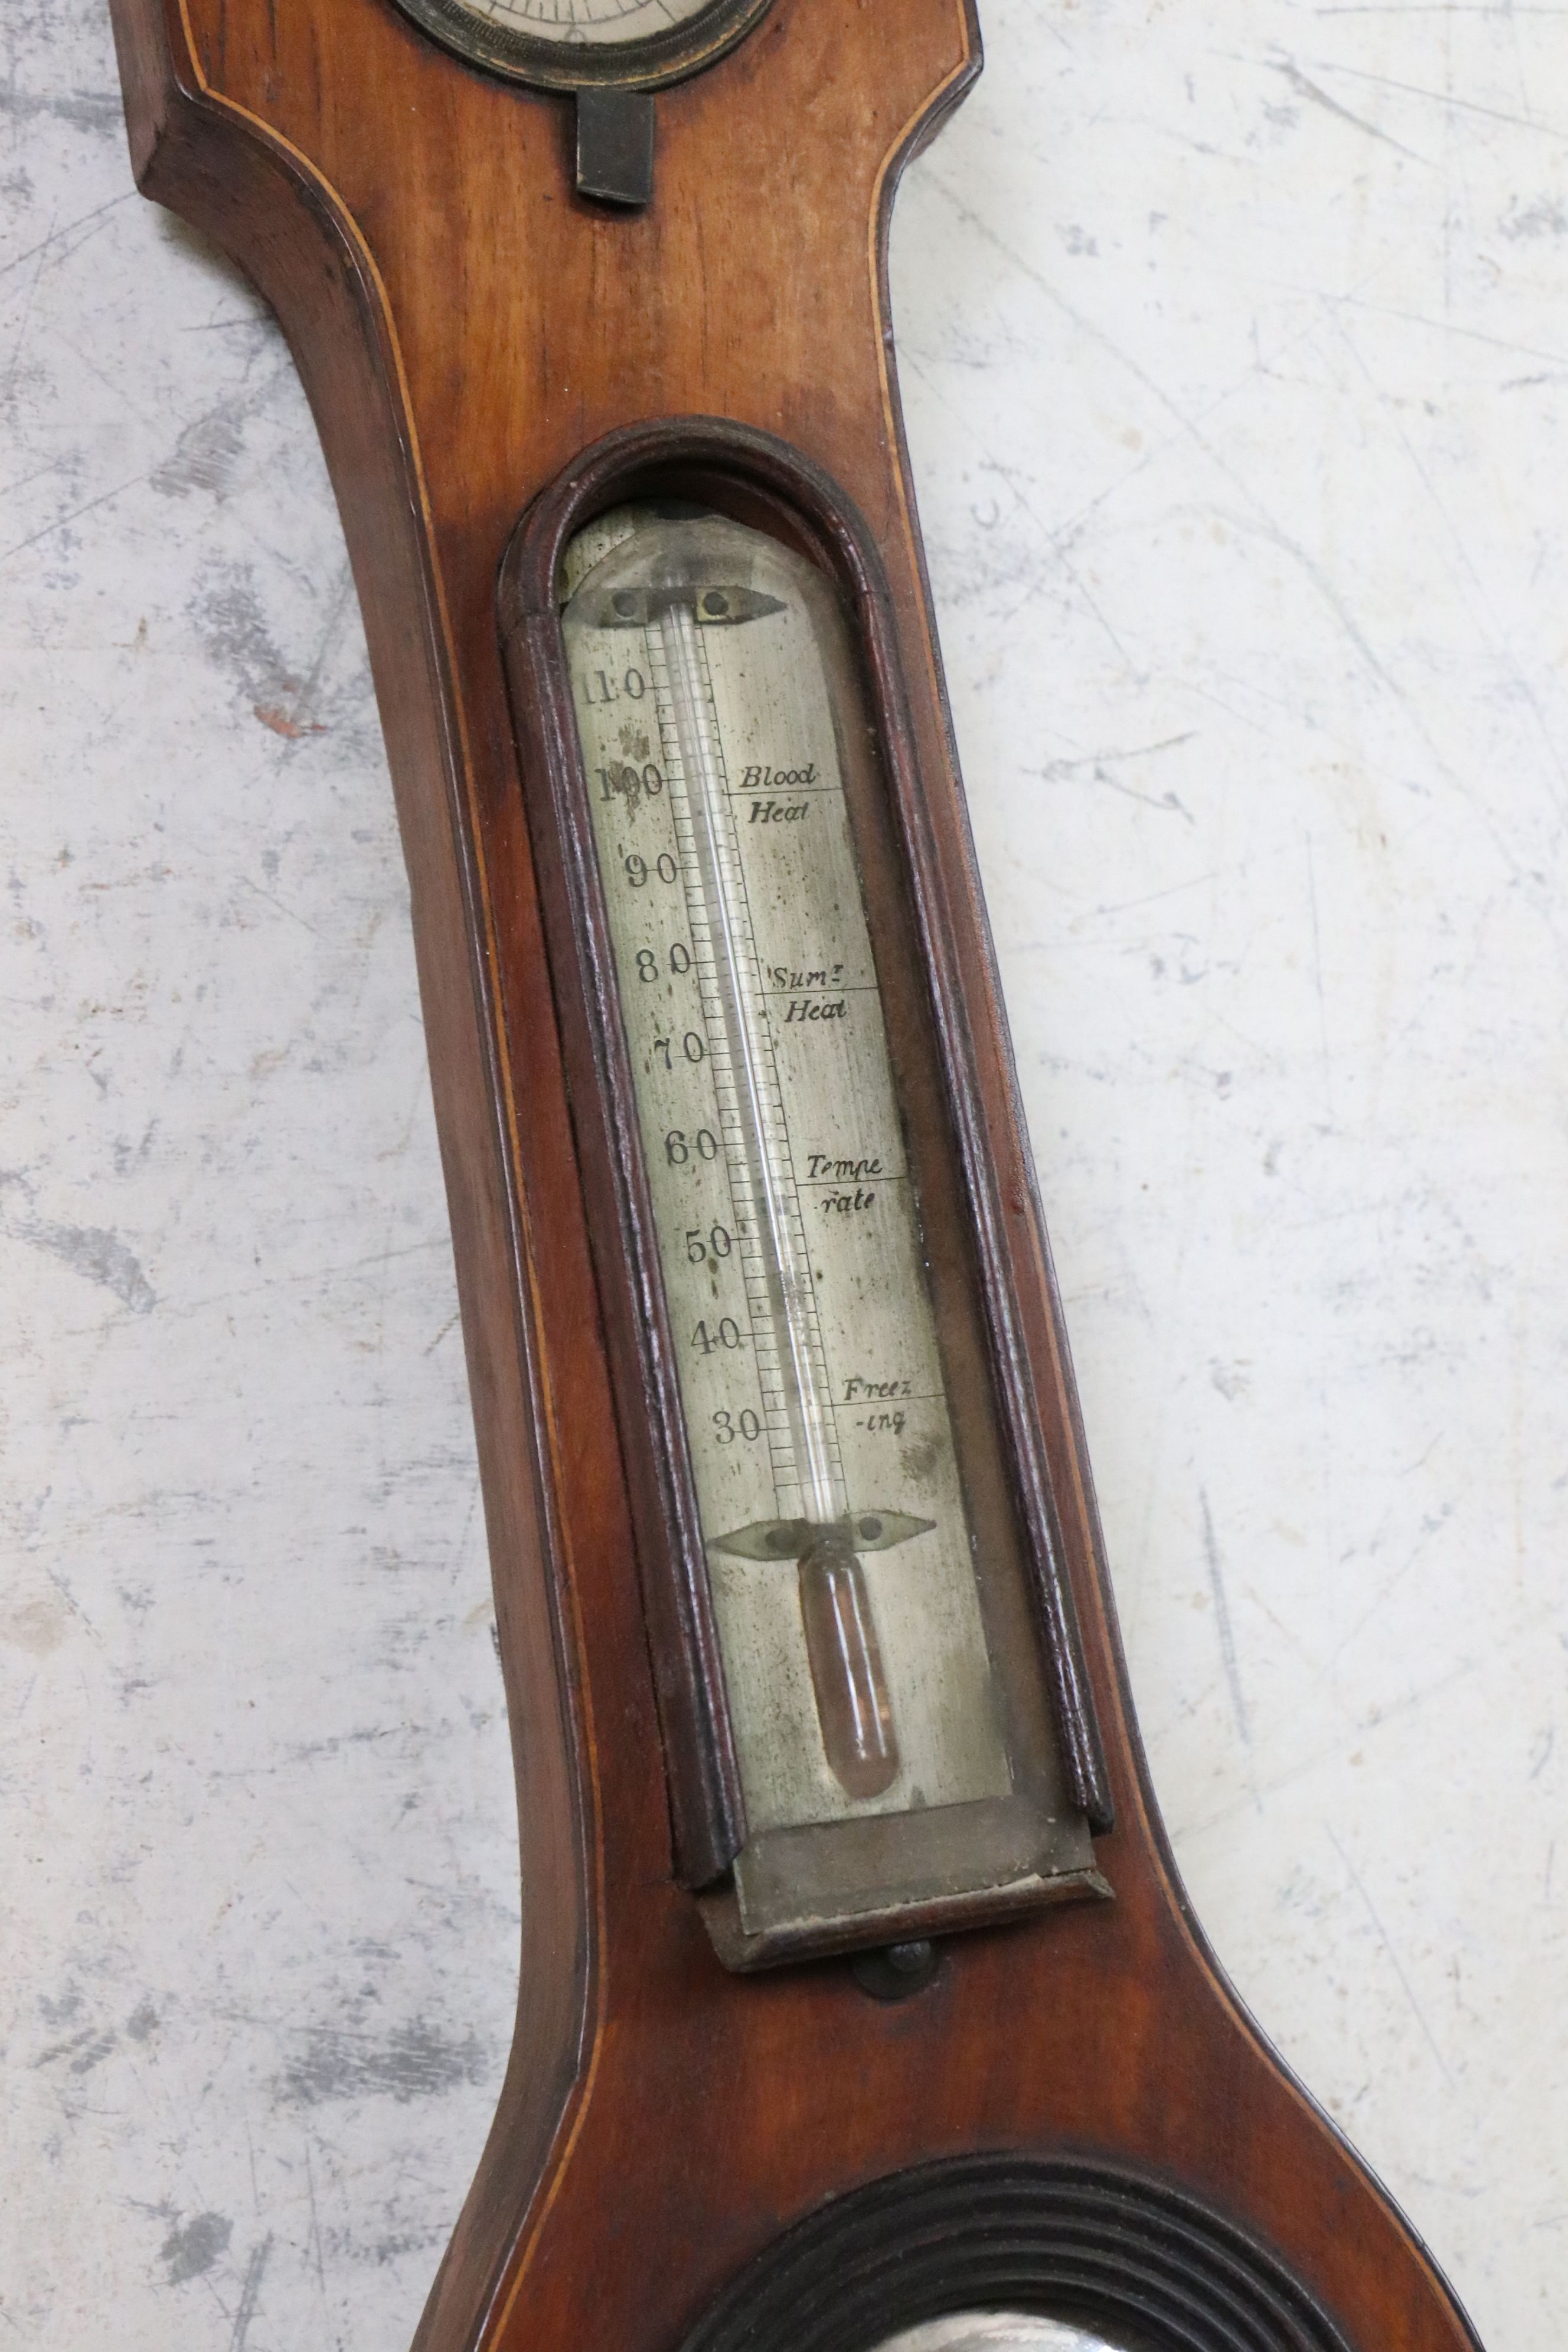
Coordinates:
(621, 465)
(234, 180)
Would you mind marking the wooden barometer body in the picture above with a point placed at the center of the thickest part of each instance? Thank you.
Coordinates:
(857, 1987)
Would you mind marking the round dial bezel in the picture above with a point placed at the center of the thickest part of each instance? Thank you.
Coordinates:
(647, 63)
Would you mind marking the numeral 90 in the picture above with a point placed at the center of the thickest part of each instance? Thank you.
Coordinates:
(636, 869)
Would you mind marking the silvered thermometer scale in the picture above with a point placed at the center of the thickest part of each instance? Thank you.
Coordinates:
(788, 1232)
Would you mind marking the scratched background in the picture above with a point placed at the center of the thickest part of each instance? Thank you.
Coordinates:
(1234, 341)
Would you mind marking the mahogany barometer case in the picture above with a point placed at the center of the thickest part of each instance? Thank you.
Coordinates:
(858, 1990)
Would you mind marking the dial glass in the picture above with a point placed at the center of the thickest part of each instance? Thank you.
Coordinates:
(995, 2331)
(586, 21)
(580, 44)
(871, 1611)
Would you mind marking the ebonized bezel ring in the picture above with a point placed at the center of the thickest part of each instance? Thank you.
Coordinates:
(1103, 2247)
(648, 62)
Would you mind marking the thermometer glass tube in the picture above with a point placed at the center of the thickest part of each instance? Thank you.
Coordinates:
(858, 1625)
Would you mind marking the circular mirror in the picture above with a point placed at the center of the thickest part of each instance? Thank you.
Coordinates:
(995, 2331)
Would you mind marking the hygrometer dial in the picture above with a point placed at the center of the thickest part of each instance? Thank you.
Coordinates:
(579, 44)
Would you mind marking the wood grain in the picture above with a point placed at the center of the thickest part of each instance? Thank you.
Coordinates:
(464, 325)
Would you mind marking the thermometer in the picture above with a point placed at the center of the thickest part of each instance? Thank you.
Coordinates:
(788, 1231)
(712, 684)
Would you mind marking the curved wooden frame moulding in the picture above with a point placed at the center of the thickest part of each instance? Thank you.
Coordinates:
(710, 459)
(465, 327)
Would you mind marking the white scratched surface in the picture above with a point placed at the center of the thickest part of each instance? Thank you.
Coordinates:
(1234, 347)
